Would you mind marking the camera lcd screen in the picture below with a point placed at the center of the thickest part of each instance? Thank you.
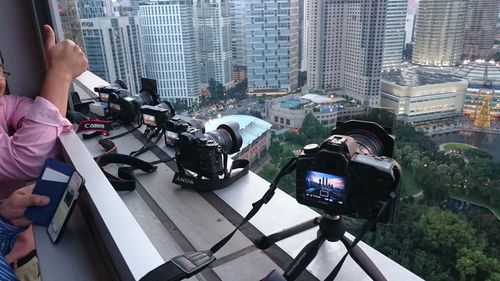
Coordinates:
(324, 187)
(115, 106)
(149, 120)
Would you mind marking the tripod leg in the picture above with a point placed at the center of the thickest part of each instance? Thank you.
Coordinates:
(304, 258)
(360, 257)
(267, 241)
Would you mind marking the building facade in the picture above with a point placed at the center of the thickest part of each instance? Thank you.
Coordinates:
(439, 32)
(290, 111)
(480, 28)
(170, 49)
(237, 11)
(345, 47)
(271, 40)
(213, 29)
(114, 49)
(95, 8)
(484, 81)
(70, 21)
(394, 38)
(417, 96)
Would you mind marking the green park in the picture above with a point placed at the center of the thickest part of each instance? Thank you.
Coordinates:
(448, 222)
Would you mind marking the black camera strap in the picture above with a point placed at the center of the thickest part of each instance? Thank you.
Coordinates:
(186, 179)
(125, 181)
(187, 265)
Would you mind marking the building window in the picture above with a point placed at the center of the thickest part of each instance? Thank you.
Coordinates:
(281, 120)
(288, 121)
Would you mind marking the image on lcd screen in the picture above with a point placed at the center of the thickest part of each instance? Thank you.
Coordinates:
(149, 120)
(324, 187)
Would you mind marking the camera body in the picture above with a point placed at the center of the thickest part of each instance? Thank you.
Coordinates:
(122, 104)
(157, 116)
(349, 175)
(179, 124)
(206, 154)
(197, 153)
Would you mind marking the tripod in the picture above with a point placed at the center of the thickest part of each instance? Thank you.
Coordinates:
(331, 228)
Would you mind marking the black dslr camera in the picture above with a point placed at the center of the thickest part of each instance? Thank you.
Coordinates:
(206, 154)
(124, 105)
(157, 116)
(351, 172)
(180, 124)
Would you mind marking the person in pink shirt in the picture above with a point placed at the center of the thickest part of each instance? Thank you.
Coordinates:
(29, 128)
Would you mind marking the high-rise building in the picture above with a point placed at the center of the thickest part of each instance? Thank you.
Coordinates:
(214, 40)
(345, 47)
(237, 11)
(70, 21)
(480, 28)
(170, 48)
(271, 35)
(95, 8)
(114, 49)
(439, 32)
(304, 61)
(394, 39)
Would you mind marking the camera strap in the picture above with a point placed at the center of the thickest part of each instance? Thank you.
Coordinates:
(125, 181)
(186, 179)
(187, 265)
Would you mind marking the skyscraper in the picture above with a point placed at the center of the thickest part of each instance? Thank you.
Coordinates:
(394, 38)
(95, 8)
(345, 47)
(114, 49)
(304, 61)
(237, 11)
(214, 40)
(480, 28)
(439, 32)
(70, 21)
(170, 49)
(271, 35)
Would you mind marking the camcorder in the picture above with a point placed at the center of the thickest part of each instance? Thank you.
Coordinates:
(163, 117)
(124, 105)
(351, 173)
(206, 153)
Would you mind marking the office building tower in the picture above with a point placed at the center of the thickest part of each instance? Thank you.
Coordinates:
(70, 21)
(480, 28)
(303, 38)
(170, 49)
(439, 32)
(114, 49)
(214, 40)
(237, 10)
(345, 47)
(95, 8)
(394, 38)
(271, 29)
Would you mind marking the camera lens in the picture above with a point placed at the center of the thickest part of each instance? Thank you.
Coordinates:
(145, 98)
(371, 138)
(367, 144)
(227, 136)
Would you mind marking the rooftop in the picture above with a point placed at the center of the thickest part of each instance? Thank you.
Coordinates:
(479, 70)
(412, 77)
(250, 127)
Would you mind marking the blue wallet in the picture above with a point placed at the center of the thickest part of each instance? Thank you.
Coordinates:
(52, 182)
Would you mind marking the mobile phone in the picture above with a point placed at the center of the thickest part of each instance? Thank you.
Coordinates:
(65, 207)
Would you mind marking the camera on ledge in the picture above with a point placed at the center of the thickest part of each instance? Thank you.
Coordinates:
(124, 105)
(206, 154)
(157, 116)
(180, 124)
(351, 173)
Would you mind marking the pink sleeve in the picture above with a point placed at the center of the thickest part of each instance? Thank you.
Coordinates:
(22, 155)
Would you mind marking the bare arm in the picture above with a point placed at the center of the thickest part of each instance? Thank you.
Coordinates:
(65, 61)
